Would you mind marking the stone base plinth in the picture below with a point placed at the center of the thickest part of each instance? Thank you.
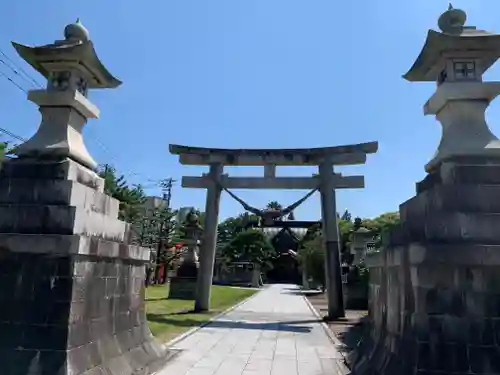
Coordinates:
(75, 314)
(71, 288)
(434, 294)
(355, 296)
(183, 288)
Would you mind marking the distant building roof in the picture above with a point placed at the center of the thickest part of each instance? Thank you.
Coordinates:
(272, 232)
(362, 230)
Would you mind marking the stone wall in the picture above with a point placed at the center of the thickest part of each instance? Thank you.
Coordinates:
(434, 294)
(71, 285)
(78, 312)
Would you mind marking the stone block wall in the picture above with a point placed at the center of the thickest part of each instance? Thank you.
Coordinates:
(74, 313)
(71, 288)
(434, 294)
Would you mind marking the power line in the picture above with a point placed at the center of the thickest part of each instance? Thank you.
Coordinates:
(13, 82)
(15, 71)
(20, 69)
(111, 156)
(9, 62)
(12, 135)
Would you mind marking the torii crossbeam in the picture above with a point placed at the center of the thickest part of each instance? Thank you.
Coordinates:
(327, 181)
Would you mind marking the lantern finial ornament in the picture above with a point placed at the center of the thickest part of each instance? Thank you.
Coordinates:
(452, 21)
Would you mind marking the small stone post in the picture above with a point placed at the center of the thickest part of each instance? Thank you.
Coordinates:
(71, 285)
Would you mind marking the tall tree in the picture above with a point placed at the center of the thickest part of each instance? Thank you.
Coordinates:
(131, 197)
(381, 223)
(346, 216)
(230, 227)
(311, 257)
(275, 205)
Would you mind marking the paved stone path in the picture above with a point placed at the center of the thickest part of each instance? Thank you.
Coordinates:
(273, 333)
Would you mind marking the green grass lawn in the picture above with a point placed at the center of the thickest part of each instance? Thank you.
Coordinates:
(169, 318)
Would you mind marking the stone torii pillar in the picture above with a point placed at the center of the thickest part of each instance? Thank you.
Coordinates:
(330, 232)
(209, 242)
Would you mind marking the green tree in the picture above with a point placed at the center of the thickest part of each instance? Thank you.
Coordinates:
(158, 225)
(5, 149)
(345, 229)
(381, 223)
(311, 257)
(229, 228)
(251, 245)
(346, 216)
(131, 197)
(274, 205)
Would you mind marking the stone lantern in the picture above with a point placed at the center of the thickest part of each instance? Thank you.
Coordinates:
(72, 68)
(361, 238)
(71, 283)
(456, 59)
(433, 293)
(183, 285)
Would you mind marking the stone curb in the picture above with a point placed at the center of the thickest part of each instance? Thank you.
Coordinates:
(329, 333)
(336, 342)
(181, 337)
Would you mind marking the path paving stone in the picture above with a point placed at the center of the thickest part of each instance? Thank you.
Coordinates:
(274, 333)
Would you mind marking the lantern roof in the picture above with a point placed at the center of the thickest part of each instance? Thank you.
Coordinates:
(454, 37)
(75, 49)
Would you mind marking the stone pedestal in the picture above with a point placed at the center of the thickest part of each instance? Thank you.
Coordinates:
(355, 296)
(72, 288)
(434, 296)
(183, 285)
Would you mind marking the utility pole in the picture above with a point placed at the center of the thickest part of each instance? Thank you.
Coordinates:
(166, 186)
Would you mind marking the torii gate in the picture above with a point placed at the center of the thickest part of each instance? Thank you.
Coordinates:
(326, 181)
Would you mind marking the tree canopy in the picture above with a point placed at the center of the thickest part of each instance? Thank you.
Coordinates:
(5, 149)
(131, 197)
(311, 250)
(250, 245)
(274, 205)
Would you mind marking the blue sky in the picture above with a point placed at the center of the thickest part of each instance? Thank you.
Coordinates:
(251, 74)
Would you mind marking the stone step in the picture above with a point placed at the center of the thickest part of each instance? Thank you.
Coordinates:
(57, 192)
(65, 245)
(469, 171)
(452, 254)
(65, 169)
(454, 227)
(53, 219)
(453, 198)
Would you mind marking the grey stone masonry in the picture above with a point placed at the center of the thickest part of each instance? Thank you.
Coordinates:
(71, 287)
(434, 299)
